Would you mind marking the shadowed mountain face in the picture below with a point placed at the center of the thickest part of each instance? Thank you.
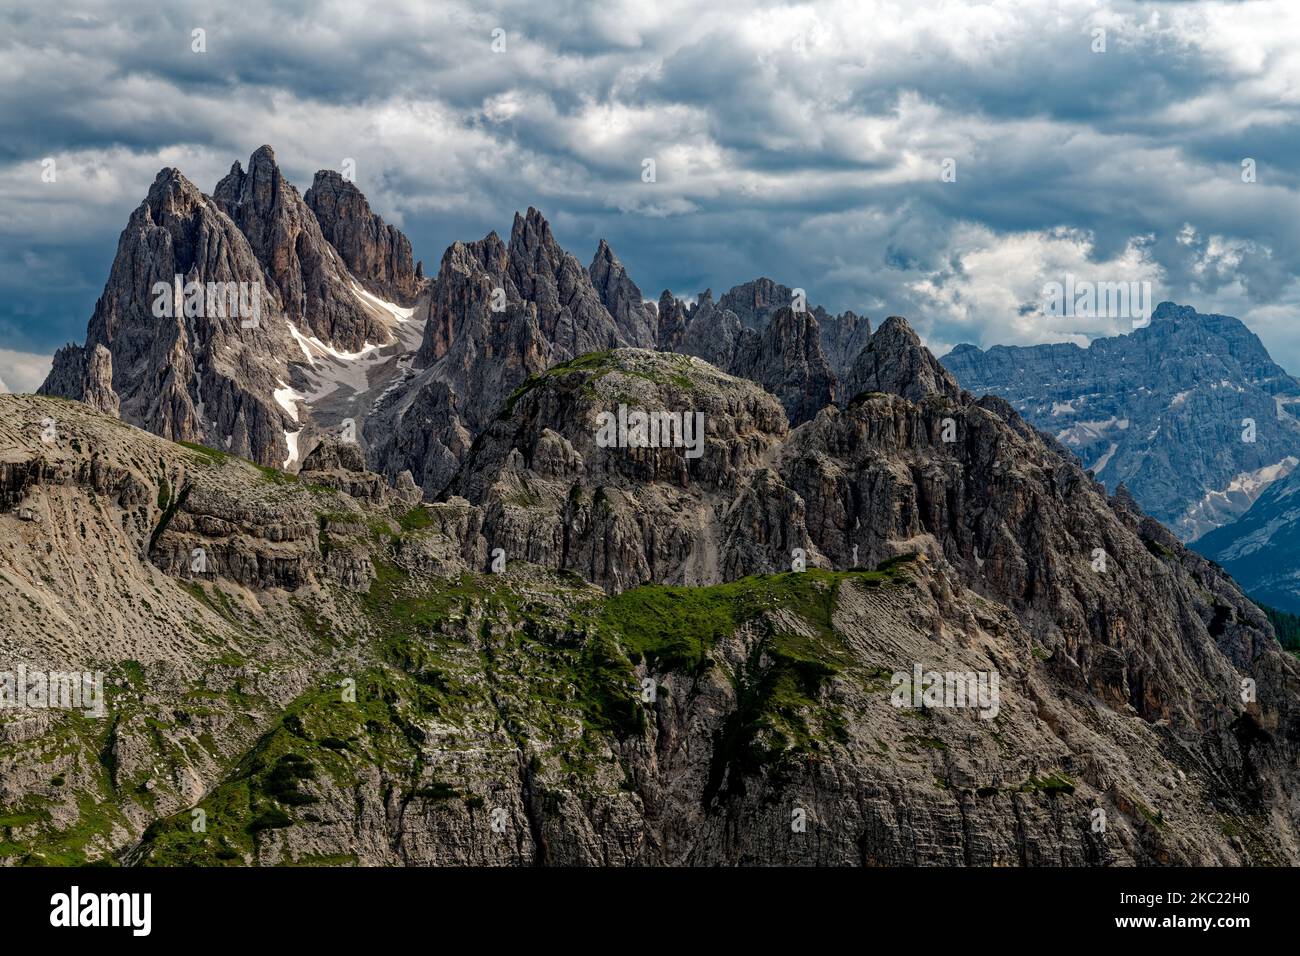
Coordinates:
(1261, 549)
(636, 318)
(635, 583)
(1189, 413)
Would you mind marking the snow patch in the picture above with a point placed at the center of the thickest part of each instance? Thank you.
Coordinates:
(392, 308)
(1085, 433)
(1104, 460)
(310, 344)
(288, 398)
(1218, 507)
(291, 440)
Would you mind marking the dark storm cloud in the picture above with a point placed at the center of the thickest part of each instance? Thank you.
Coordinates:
(802, 142)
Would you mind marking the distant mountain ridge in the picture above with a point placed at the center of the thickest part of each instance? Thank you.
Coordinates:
(1261, 549)
(1166, 411)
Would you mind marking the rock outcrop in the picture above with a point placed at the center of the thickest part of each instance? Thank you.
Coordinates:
(86, 375)
(786, 358)
(555, 492)
(768, 342)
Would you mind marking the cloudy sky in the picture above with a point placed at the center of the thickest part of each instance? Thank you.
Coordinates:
(803, 141)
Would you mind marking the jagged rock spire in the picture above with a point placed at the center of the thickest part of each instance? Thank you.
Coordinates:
(622, 298)
(376, 253)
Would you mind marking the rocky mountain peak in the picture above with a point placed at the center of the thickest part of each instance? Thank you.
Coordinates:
(1173, 312)
(895, 361)
(314, 284)
(257, 311)
(636, 319)
(463, 294)
(569, 310)
(497, 314)
(754, 302)
(198, 360)
(171, 190)
(670, 322)
(786, 358)
(376, 253)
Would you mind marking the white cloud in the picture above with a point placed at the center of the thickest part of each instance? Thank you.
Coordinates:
(22, 371)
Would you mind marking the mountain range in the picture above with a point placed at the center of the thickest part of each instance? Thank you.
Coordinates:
(1190, 416)
(1189, 413)
(368, 586)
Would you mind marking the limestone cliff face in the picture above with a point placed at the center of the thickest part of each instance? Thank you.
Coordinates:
(786, 358)
(84, 373)
(314, 285)
(670, 322)
(894, 361)
(376, 253)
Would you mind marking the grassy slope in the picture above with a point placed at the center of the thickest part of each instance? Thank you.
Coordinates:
(573, 641)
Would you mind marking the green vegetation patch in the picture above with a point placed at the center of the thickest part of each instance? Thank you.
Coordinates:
(321, 737)
(417, 519)
(1050, 784)
(674, 628)
(1285, 624)
(211, 456)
